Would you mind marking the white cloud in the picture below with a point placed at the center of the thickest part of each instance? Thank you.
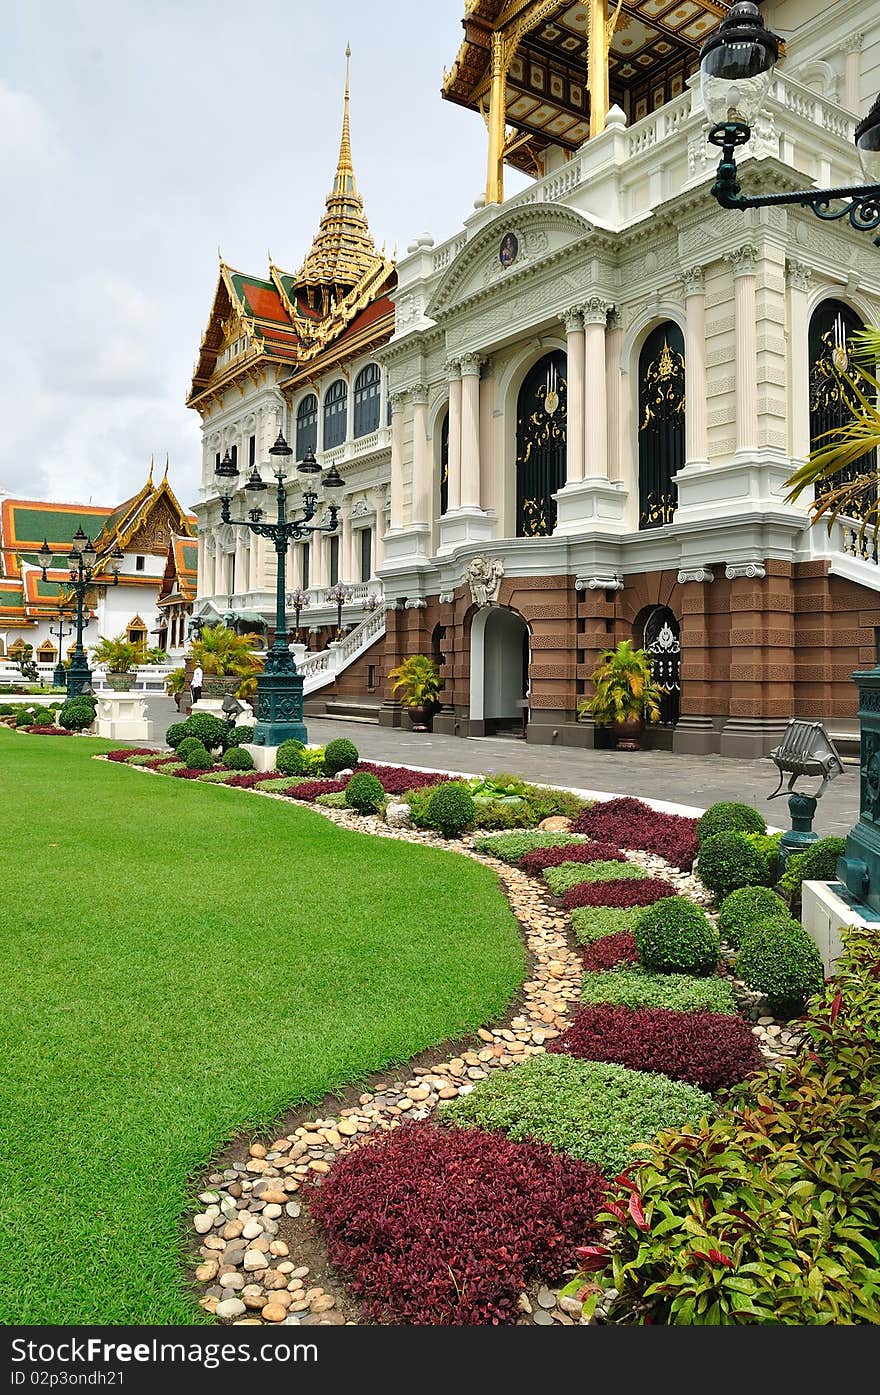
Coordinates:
(31, 148)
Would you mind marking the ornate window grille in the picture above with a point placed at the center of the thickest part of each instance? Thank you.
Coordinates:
(542, 414)
(661, 423)
(662, 644)
(444, 465)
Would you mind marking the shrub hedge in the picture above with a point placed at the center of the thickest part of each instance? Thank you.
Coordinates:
(675, 937)
(729, 817)
(364, 793)
(208, 728)
(636, 988)
(188, 745)
(817, 864)
(289, 757)
(747, 907)
(175, 734)
(781, 959)
(238, 736)
(589, 1110)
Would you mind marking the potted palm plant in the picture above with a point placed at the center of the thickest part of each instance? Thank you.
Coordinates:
(121, 657)
(416, 682)
(626, 695)
(175, 684)
(225, 657)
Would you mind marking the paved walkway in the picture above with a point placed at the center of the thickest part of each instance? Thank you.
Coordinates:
(690, 780)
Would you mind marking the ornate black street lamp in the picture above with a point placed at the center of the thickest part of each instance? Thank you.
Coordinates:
(339, 596)
(82, 564)
(736, 66)
(298, 601)
(60, 674)
(280, 686)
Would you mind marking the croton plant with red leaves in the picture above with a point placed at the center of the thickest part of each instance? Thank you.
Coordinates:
(607, 953)
(48, 731)
(630, 823)
(445, 1227)
(398, 779)
(126, 751)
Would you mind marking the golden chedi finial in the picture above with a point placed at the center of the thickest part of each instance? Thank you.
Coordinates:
(150, 476)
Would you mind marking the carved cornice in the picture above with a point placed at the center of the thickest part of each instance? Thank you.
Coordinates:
(752, 570)
(418, 603)
(695, 574)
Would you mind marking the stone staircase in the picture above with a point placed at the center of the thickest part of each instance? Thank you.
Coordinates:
(320, 670)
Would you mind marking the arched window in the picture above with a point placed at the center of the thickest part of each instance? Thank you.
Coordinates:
(367, 387)
(541, 418)
(832, 327)
(444, 465)
(306, 425)
(335, 412)
(47, 653)
(662, 644)
(661, 423)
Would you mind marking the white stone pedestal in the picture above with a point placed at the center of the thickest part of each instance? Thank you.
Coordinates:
(263, 756)
(123, 717)
(212, 705)
(823, 913)
(590, 504)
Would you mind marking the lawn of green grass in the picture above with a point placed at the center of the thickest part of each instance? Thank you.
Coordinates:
(179, 962)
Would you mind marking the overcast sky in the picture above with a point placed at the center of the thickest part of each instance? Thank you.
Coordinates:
(137, 136)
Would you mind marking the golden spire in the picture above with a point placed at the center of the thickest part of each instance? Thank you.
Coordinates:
(150, 477)
(343, 249)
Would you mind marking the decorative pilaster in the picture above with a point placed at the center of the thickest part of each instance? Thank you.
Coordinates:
(453, 369)
(421, 466)
(797, 275)
(744, 261)
(470, 431)
(591, 502)
(852, 80)
(595, 312)
(575, 350)
(398, 402)
(696, 432)
(378, 500)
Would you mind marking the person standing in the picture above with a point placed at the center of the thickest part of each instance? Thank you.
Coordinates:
(195, 683)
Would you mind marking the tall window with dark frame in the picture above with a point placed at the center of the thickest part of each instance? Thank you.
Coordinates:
(662, 644)
(444, 465)
(307, 425)
(661, 423)
(305, 558)
(832, 327)
(366, 553)
(334, 560)
(367, 392)
(252, 452)
(541, 423)
(233, 452)
(335, 414)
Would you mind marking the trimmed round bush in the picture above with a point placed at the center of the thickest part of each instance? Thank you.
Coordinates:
(238, 736)
(817, 864)
(209, 729)
(781, 960)
(364, 793)
(24, 716)
(44, 717)
(198, 759)
(289, 757)
(451, 809)
(188, 745)
(175, 734)
(729, 860)
(746, 908)
(729, 817)
(238, 759)
(675, 937)
(76, 715)
(340, 755)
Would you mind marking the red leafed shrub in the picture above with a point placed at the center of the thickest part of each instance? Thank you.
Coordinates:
(192, 774)
(445, 1226)
(632, 824)
(127, 751)
(251, 778)
(711, 1049)
(397, 779)
(610, 951)
(310, 789)
(48, 731)
(534, 862)
(643, 891)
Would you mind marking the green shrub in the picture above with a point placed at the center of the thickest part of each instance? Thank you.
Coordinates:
(313, 762)
(781, 960)
(728, 860)
(504, 813)
(235, 758)
(364, 793)
(568, 874)
(728, 817)
(418, 801)
(6, 709)
(198, 759)
(451, 809)
(216, 777)
(589, 1109)
(76, 715)
(675, 937)
(289, 757)
(44, 717)
(591, 923)
(238, 736)
(637, 988)
(340, 755)
(748, 907)
(188, 745)
(24, 717)
(332, 801)
(170, 766)
(817, 864)
(175, 734)
(208, 728)
(512, 847)
(767, 844)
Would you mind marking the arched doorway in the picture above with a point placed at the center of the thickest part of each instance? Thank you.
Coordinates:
(541, 418)
(661, 423)
(499, 671)
(832, 327)
(662, 644)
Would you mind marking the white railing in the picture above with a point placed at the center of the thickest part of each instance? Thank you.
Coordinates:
(847, 540)
(359, 591)
(551, 188)
(444, 255)
(666, 121)
(795, 97)
(319, 669)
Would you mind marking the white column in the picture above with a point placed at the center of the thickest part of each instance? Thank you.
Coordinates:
(379, 531)
(488, 389)
(345, 572)
(218, 568)
(613, 346)
(852, 79)
(421, 489)
(745, 310)
(240, 583)
(596, 410)
(797, 275)
(470, 431)
(398, 400)
(202, 561)
(454, 472)
(575, 350)
(695, 421)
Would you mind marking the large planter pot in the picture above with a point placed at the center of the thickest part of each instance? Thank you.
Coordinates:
(420, 716)
(628, 735)
(121, 682)
(213, 686)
